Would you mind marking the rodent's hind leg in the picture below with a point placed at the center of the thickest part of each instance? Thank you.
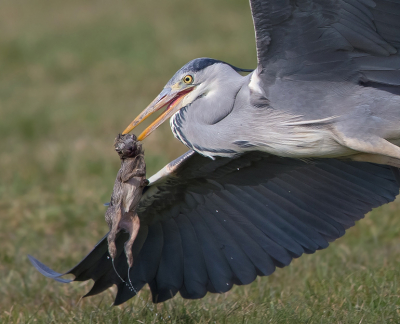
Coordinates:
(112, 249)
(132, 227)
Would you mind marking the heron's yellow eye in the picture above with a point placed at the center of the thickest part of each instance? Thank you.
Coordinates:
(188, 79)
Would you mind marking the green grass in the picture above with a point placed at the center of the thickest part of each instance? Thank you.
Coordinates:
(72, 75)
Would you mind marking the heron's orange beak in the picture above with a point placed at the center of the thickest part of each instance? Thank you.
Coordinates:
(168, 98)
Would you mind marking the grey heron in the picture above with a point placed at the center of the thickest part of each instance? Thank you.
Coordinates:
(282, 160)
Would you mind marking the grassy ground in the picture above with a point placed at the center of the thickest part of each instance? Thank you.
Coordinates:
(72, 75)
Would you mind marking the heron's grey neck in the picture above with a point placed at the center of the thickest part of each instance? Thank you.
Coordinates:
(210, 123)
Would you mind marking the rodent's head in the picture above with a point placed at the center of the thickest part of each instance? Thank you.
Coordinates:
(127, 146)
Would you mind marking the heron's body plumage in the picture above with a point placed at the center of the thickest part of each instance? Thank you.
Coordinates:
(320, 90)
(302, 120)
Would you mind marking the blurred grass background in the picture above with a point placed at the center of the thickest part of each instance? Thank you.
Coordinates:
(72, 75)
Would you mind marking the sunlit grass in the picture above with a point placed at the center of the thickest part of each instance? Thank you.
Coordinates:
(72, 75)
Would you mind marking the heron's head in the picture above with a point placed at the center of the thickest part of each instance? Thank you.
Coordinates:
(197, 79)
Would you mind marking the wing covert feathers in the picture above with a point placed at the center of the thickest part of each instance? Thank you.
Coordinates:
(328, 40)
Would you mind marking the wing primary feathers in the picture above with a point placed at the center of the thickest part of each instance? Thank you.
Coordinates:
(342, 183)
(262, 260)
(287, 201)
(307, 237)
(318, 201)
(242, 268)
(227, 226)
(219, 271)
(317, 241)
(145, 265)
(263, 223)
(101, 283)
(367, 182)
(340, 188)
(195, 278)
(169, 276)
(332, 195)
(46, 271)
(129, 287)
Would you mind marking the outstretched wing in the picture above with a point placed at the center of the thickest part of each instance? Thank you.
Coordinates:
(329, 40)
(209, 224)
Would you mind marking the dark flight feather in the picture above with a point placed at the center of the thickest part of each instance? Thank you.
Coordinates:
(216, 223)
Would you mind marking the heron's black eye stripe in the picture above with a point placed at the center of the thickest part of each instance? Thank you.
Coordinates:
(188, 79)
